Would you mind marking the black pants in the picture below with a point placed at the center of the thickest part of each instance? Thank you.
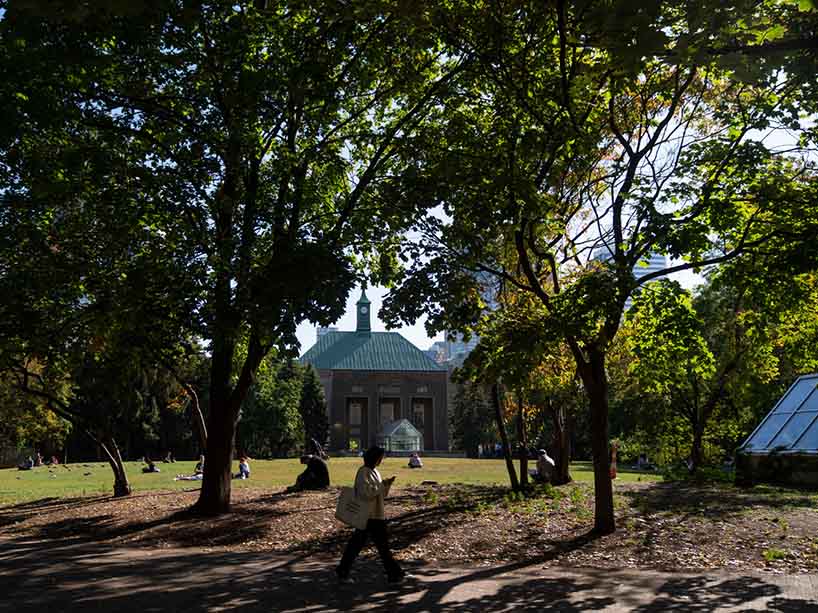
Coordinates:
(376, 528)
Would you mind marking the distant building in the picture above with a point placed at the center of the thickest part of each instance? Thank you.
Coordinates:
(439, 352)
(373, 379)
(458, 348)
(653, 263)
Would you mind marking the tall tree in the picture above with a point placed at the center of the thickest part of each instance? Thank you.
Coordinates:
(25, 421)
(593, 136)
(271, 424)
(472, 419)
(313, 407)
(239, 141)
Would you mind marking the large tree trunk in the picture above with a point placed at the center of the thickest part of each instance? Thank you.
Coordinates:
(214, 497)
(561, 444)
(523, 440)
(111, 450)
(225, 403)
(217, 479)
(501, 428)
(596, 385)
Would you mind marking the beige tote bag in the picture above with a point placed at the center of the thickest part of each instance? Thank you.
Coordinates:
(352, 510)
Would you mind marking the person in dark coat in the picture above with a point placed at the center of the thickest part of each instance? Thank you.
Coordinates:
(314, 477)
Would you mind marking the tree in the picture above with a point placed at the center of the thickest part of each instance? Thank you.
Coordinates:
(270, 424)
(27, 422)
(230, 147)
(672, 359)
(578, 137)
(472, 419)
(102, 388)
(702, 358)
(313, 407)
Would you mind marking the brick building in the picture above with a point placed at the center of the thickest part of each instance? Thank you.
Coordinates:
(372, 379)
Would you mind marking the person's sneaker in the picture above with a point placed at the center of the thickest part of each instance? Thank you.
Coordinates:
(400, 578)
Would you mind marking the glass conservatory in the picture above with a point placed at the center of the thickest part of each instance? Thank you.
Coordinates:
(400, 435)
(784, 446)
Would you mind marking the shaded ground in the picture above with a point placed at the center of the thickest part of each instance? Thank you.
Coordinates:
(72, 577)
(661, 526)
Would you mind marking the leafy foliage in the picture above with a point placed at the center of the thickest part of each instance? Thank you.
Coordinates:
(313, 407)
(270, 425)
(593, 135)
(209, 168)
(472, 419)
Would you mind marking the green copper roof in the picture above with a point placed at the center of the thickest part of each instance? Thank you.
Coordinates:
(370, 351)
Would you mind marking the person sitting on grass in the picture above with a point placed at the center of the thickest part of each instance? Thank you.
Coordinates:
(415, 461)
(545, 467)
(151, 467)
(314, 477)
(244, 468)
(199, 468)
(28, 464)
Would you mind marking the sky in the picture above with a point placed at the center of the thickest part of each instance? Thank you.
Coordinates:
(415, 334)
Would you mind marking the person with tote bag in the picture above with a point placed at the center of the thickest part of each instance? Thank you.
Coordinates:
(370, 490)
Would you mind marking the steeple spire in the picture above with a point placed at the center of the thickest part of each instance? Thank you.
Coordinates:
(364, 326)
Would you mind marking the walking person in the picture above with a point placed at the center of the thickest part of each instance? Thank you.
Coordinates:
(371, 488)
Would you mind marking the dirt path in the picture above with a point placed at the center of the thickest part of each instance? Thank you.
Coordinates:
(74, 575)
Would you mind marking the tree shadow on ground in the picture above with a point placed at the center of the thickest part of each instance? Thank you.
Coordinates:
(712, 500)
(20, 512)
(79, 578)
(413, 526)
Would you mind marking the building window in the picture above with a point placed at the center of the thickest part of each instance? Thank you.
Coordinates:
(423, 389)
(387, 413)
(357, 389)
(417, 415)
(354, 413)
(393, 391)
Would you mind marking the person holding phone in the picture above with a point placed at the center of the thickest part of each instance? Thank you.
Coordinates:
(372, 489)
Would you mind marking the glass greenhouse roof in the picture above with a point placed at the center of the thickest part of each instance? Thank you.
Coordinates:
(792, 425)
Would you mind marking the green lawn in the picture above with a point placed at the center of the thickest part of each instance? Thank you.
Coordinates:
(95, 478)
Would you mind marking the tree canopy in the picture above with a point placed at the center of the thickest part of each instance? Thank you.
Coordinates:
(208, 168)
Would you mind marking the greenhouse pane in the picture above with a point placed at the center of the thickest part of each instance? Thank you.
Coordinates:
(811, 403)
(810, 439)
(794, 428)
(796, 396)
(768, 430)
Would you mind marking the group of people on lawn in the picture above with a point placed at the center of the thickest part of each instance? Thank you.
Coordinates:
(36, 461)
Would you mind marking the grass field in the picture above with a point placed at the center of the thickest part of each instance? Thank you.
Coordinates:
(95, 478)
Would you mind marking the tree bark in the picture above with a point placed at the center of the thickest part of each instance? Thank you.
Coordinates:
(501, 428)
(111, 450)
(214, 497)
(562, 451)
(523, 440)
(596, 385)
(226, 402)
